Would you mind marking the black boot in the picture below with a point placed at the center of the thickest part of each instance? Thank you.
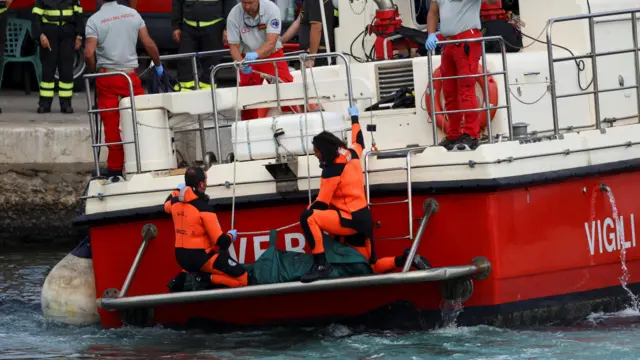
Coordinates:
(448, 143)
(419, 262)
(320, 269)
(465, 141)
(43, 109)
(66, 109)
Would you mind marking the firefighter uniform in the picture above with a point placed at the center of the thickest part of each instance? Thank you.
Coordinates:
(201, 24)
(60, 21)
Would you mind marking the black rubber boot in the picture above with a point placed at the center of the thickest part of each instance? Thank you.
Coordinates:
(465, 141)
(320, 269)
(43, 109)
(66, 110)
(448, 143)
(419, 262)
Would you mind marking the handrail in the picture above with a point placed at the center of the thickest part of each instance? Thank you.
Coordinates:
(237, 65)
(92, 111)
(593, 55)
(487, 105)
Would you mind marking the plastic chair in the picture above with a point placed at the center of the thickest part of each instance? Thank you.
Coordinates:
(17, 30)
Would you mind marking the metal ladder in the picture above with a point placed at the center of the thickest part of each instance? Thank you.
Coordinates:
(407, 153)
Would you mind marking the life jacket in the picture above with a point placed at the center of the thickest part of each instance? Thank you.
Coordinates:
(196, 225)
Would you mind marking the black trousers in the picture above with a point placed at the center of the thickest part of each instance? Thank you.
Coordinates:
(195, 39)
(60, 57)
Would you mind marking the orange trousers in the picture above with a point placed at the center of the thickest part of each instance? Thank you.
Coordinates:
(224, 273)
(328, 220)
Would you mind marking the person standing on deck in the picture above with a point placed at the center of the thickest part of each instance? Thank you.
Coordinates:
(58, 26)
(459, 19)
(198, 25)
(341, 207)
(201, 245)
(112, 34)
(253, 32)
(4, 6)
(311, 34)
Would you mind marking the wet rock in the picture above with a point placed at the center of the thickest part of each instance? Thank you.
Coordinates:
(38, 203)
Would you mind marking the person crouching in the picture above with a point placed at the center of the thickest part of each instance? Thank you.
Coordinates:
(200, 245)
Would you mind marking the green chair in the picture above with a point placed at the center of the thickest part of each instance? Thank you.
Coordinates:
(17, 30)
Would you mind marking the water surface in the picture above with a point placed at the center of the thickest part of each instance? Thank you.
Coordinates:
(25, 334)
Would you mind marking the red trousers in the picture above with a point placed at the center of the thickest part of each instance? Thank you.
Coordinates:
(460, 94)
(110, 90)
(255, 79)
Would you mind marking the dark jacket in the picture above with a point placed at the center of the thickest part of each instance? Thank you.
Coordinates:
(57, 12)
(200, 10)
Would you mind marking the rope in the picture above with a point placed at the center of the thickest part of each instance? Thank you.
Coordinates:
(267, 231)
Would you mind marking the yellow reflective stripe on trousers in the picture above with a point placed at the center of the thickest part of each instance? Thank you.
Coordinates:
(47, 85)
(335, 12)
(44, 20)
(204, 86)
(77, 9)
(65, 86)
(37, 11)
(65, 93)
(2, 10)
(46, 93)
(201, 23)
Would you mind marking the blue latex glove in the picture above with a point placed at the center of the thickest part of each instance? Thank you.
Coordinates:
(251, 56)
(234, 234)
(246, 70)
(353, 110)
(431, 42)
(180, 186)
(159, 70)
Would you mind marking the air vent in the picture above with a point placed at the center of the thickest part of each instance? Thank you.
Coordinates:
(394, 76)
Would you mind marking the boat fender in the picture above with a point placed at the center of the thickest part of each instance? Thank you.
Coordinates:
(69, 293)
(441, 120)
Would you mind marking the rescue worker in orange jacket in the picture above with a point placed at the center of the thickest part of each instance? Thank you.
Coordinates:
(200, 243)
(341, 207)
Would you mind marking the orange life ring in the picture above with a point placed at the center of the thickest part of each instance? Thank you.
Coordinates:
(441, 120)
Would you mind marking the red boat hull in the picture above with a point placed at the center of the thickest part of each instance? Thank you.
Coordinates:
(543, 241)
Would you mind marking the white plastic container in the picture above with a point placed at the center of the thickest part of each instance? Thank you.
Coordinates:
(154, 139)
(255, 138)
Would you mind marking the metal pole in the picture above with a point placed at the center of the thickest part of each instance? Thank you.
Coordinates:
(194, 67)
(366, 176)
(215, 114)
(149, 232)
(326, 31)
(409, 194)
(487, 102)
(594, 71)
(134, 119)
(430, 207)
(634, 31)
(303, 72)
(552, 80)
(96, 160)
(432, 98)
(507, 93)
(277, 80)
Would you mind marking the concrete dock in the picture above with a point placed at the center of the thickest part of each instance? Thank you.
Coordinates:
(45, 161)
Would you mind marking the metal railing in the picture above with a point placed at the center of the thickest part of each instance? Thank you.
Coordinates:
(488, 108)
(237, 65)
(93, 114)
(593, 55)
(93, 111)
